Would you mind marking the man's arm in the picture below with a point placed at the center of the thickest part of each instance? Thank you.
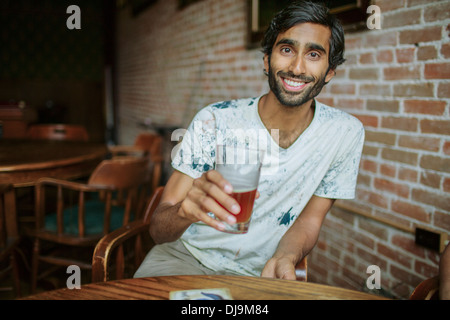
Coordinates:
(299, 240)
(444, 275)
(186, 200)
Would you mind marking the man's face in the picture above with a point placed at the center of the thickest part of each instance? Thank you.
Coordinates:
(298, 65)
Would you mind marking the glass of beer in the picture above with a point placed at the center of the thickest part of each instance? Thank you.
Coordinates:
(241, 166)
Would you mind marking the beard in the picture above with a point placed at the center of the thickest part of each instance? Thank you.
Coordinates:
(294, 99)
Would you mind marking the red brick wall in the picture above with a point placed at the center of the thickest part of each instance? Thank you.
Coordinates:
(395, 80)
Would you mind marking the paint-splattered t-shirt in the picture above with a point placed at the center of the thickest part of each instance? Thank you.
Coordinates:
(323, 161)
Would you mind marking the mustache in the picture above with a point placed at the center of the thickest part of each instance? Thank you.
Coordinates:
(296, 77)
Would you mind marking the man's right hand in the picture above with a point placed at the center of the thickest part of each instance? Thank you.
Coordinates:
(210, 193)
(186, 200)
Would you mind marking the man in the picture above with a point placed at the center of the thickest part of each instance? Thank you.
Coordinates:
(317, 152)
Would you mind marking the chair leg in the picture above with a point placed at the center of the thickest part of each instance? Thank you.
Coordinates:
(35, 265)
(15, 272)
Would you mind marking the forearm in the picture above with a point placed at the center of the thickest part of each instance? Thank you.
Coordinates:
(444, 275)
(295, 244)
(166, 224)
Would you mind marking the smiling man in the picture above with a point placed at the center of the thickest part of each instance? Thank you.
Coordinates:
(317, 150)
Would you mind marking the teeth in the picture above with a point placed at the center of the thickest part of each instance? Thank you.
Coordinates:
(294, 83)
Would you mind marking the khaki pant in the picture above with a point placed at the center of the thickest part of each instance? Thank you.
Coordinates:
(171, 259)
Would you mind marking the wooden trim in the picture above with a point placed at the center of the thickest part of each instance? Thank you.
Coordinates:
(366, 214)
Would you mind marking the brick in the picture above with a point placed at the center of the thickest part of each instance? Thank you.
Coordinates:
(366, 58)
(400, 190)
(445, 50)
(444, 90)
(373, 228)
(447, 147)
(385, 56)
(389, 5)
(405, 276)
(371, 258)
(397, 123)
(351, 104)
(369, 165)
(364, 74)
(410, 210)
(373, 198)
(400, 73)
(437, 71)
(383, 105)
(420, 142)
(442, 220)
(368, 121)
(400, 156)
(431, 198)
(380, 39)
(388, 170)
(437, 12)
(380, 137)
(407, 174)
(346, 88)
(426, 53)
(430, 179)
(414, 90)
(370, 151)
(363, 180)
(405, 55)
(401, 18)
(426, 269)
(408, 244)
(379, 90)
(430, 107)
(435, 163)
(446, 185)
(420, 35)
(435, 126)
(395, 255)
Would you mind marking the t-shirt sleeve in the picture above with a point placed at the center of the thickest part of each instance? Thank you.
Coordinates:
(195, 154)
(340, 180)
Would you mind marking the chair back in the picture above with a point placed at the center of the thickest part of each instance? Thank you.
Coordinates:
(151, 142)
(9, 235)
(428, 289)
(120, 173)
(69, 132)
(109, 252)
(82, 213)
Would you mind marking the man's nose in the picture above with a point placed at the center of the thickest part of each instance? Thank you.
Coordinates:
(298, 66)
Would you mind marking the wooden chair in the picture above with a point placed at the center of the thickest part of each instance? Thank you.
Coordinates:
(428, 289)
(81, 214)
(145, 144)
(103, 261)
(9, 236)
(69, 132)
(112, 245)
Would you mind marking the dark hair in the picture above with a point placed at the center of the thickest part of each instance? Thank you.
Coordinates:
(303, 12)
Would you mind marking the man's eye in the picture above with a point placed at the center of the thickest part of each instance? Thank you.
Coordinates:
(286, 50)
(314, 55)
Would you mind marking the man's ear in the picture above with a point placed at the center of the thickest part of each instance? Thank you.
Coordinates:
(330, 74)
(266, 63)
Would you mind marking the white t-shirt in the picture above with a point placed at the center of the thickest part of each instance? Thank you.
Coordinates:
(323, 161)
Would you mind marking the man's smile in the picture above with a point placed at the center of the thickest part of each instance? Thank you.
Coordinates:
(294, 85)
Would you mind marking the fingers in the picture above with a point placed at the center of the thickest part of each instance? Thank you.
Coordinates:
(211, 193)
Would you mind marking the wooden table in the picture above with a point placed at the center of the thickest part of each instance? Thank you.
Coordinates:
(23, 162)
(241, 288)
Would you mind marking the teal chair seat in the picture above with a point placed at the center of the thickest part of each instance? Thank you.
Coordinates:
(94, 214)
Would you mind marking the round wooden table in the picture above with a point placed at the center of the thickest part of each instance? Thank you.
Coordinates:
(23, 162)
(241, 288)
